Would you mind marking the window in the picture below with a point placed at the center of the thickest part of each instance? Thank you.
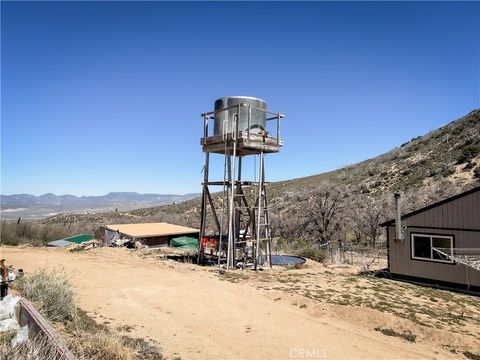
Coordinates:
(423, 247)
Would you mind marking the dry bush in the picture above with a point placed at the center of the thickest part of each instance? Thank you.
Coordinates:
(51, 290)
(40, 348)
(38, 234)
(100, 345)
(145, 350)
(313, 252)
(369, 258)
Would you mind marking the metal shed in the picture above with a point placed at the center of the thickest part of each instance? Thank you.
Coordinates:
(440, 243)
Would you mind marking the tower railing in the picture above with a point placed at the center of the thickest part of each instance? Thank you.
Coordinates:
(207, 116)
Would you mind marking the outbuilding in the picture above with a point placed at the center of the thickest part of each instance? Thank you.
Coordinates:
(151, 234)
(438, 244)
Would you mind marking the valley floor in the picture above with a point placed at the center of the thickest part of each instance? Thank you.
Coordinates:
(316, 312)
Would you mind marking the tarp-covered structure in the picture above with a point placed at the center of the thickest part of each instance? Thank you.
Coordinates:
(184, 242)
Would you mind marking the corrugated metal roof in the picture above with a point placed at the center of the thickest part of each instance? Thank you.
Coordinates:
(151, 229)
(60, 243)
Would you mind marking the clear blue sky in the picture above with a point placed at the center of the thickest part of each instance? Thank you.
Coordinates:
(100, 97)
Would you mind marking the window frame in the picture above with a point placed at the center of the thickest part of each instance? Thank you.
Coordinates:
(431, 236)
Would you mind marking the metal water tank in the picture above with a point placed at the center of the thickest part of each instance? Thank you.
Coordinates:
(223, 119)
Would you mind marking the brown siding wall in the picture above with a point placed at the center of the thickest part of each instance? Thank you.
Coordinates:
(157, 241)
(459, 218)
(401, 262)
(461, 213)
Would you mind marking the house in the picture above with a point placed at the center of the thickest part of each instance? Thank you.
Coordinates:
(440, 243)
(151, 234)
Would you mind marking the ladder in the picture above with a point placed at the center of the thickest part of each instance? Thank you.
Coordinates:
(263, 237)
(227, 167)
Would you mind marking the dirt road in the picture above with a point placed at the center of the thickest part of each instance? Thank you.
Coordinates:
(195, 315)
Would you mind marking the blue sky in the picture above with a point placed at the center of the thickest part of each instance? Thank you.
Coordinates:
(102, 96)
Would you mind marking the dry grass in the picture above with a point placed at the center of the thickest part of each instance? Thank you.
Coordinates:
(100, 345)
(37, 349)
(407, 335)
(51, 291)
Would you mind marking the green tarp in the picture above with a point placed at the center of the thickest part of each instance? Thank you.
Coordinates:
(184, 242)
(78, 239)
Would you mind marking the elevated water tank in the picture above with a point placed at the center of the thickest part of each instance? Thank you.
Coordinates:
(258, 120)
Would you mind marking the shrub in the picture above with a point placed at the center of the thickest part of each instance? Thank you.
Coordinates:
(468, 153)
(404, 335)
(145, 350)
(38, 348)
(51, 291)
(469, 166)
(471, 356)
(447, 171)
(476, 172)
(100, 345)
(312, 252)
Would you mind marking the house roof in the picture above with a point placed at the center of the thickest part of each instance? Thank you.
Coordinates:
(151, 229)
(431, 206)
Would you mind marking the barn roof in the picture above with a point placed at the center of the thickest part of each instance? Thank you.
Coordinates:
(151, 229)
(431, 206)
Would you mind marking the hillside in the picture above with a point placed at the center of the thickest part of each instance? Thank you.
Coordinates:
(451, 151)
(450, 154)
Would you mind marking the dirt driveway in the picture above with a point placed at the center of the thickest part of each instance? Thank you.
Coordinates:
(195, 315)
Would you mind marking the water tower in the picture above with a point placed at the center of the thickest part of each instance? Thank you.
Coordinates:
(242, 127)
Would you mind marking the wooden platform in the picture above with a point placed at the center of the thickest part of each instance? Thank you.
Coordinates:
(247, 144)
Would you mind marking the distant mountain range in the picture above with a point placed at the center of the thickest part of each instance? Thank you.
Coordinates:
(30, 206)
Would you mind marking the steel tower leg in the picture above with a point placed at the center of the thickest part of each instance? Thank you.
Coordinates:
(203, 215)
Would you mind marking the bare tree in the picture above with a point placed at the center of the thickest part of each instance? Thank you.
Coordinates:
(373, 215)
(324, 214)
(366, 214)
(416, 198)
(437, 191)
